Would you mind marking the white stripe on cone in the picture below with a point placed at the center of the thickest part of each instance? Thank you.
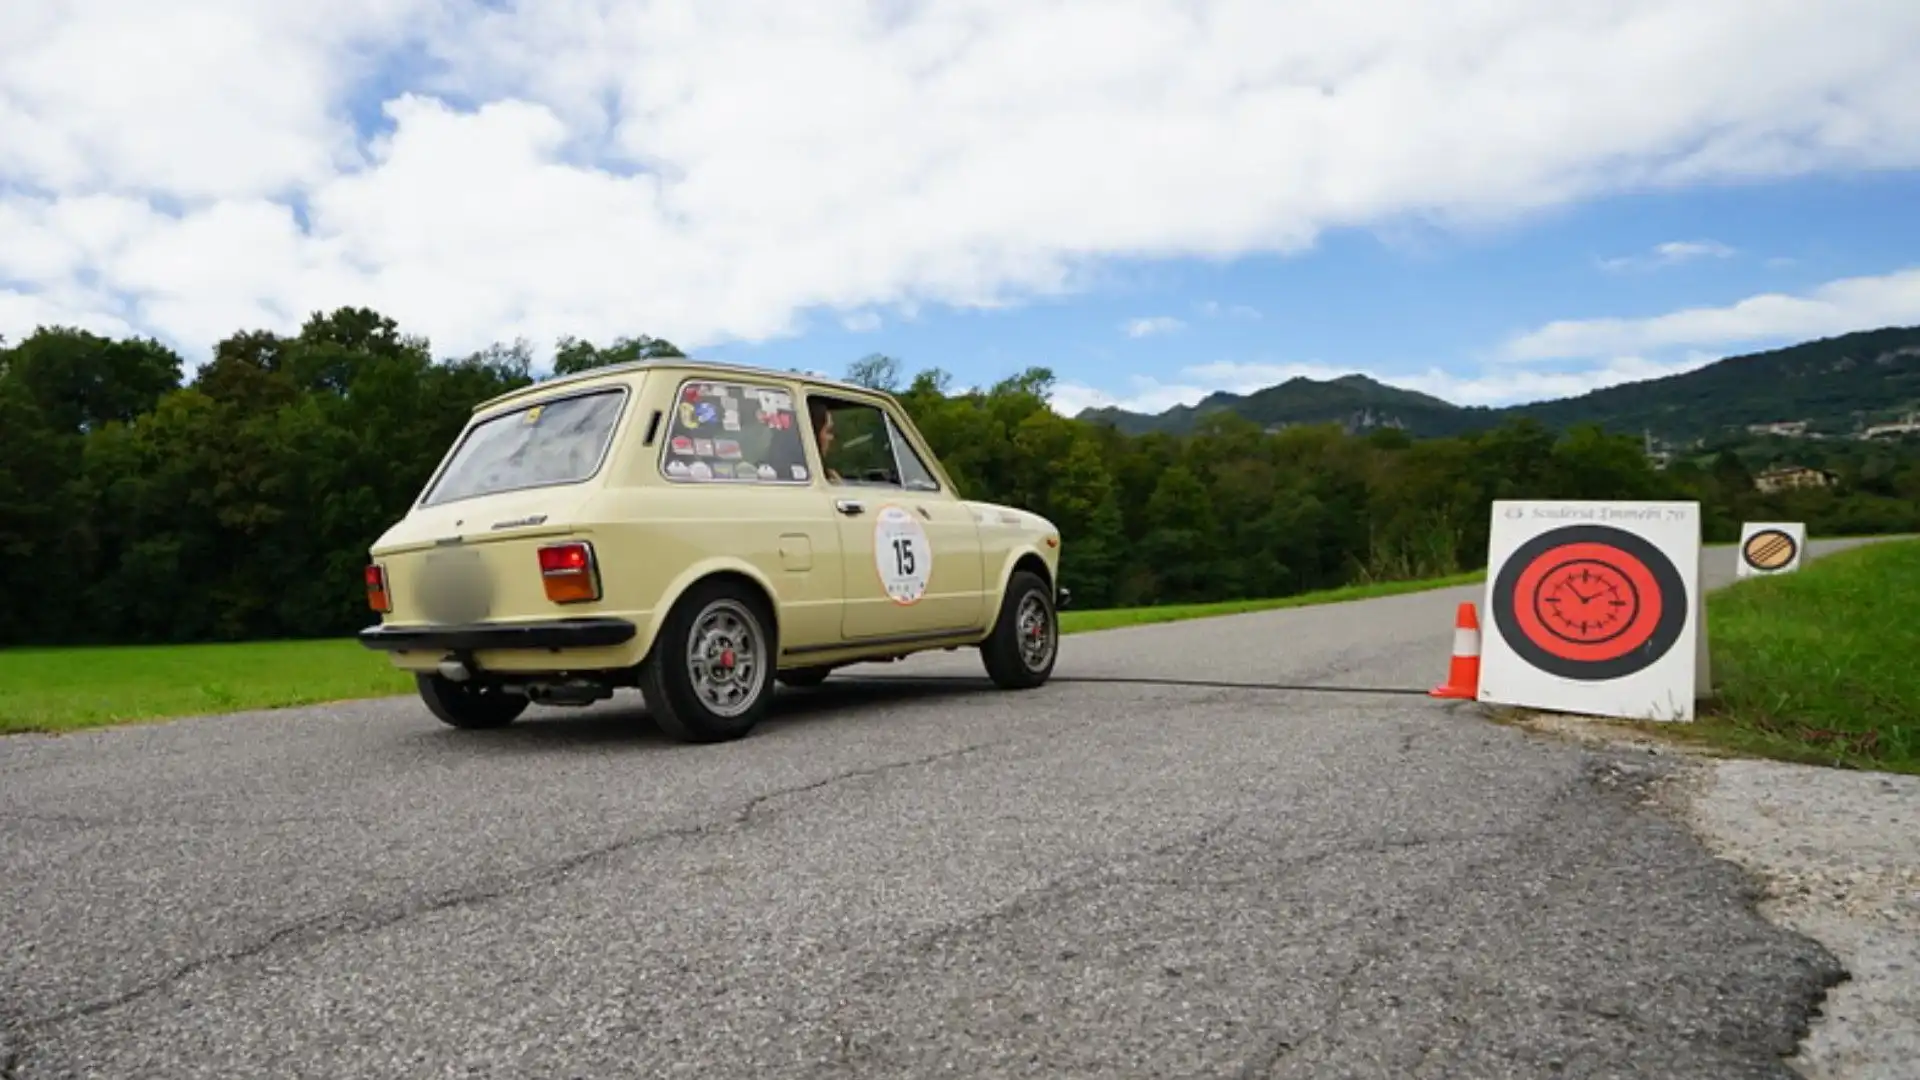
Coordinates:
(1466, 641)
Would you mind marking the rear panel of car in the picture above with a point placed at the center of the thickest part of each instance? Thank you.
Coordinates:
(506, 529)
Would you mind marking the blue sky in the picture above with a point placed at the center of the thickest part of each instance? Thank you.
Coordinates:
(1467, 201)
(1397, 306)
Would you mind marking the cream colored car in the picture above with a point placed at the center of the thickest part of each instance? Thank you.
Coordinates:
(697, 530)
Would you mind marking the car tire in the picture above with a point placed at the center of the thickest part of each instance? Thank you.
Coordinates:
(723, 622)
(806, 676)
(1025, 643)
(463, 705)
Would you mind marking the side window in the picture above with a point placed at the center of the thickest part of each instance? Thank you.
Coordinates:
(859, 444)
(914, 474)
(733, 432)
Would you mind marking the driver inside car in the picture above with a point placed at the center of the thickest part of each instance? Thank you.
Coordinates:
(822, 418)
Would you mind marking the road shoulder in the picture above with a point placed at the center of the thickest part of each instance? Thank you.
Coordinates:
(1837, 855)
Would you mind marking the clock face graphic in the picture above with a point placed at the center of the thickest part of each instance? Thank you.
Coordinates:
(1589, 602)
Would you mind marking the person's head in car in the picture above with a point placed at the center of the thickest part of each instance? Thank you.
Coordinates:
(822, 424)
(822, 418)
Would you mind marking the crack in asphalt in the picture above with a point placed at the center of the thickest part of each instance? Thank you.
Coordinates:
(850, 1049)
(1100, 876)
(334, 925)
(1369, 846)
(1373, 947)
(1117, 870)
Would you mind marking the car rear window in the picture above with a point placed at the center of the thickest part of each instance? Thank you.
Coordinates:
(559, 441)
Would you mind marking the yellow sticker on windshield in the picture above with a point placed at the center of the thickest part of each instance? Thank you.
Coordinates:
(533, 414)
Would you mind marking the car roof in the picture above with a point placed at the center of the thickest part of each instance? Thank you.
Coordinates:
(689, 365)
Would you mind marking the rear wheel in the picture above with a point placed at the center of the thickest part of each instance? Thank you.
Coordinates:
(464, 705)
(1020, 652)
(711, 671)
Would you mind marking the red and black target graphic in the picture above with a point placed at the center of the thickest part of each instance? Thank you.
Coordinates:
(1589, 602)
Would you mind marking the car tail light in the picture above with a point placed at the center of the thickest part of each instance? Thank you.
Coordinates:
(377, 596)
(569, 572)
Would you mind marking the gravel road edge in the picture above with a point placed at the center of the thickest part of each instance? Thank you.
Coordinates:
(1836, 855)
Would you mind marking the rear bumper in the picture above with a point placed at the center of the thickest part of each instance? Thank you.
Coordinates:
(581, 633)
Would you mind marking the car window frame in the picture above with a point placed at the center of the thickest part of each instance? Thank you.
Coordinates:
(896, 436)
(765, 382)
(474, 423)
(901, 440)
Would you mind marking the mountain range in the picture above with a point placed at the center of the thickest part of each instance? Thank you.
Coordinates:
(1835, 386)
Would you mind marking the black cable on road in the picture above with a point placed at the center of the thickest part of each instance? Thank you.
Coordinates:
(1142, 680)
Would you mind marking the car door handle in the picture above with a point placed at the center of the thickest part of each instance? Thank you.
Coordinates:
(850, 506)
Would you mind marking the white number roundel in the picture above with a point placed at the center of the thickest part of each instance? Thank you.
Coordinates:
(902, 554)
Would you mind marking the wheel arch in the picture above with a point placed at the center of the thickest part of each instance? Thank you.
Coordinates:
(700, 573)
(1031, 560)
(1024, 557)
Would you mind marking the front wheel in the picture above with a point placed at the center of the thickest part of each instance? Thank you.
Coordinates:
(710, 674)
(466, 706)
(1025, 642)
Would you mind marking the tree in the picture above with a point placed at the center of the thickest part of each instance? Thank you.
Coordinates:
(241, 504)
(80, 380)
(875, 371)
(575, 355)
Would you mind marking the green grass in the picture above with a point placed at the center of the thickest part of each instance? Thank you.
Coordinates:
(71, 689)
(1820, 666)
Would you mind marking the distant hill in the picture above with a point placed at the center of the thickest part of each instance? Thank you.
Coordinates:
(1836, 385)
(1354, 400)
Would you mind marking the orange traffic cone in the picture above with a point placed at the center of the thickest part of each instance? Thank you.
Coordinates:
(1463, 674)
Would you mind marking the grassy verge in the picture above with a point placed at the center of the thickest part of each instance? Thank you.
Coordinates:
(1821, 666)
(71, 689)
(1078, 622)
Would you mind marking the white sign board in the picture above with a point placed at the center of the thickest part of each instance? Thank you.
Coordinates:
(1769, 547)
(1594, 608)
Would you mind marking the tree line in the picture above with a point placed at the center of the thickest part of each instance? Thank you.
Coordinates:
(138, 505)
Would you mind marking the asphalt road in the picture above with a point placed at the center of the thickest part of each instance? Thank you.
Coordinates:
(890, 879)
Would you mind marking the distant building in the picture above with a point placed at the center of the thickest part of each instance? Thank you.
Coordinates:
(1786, 477)
(1908, 426)
(1658, 452)
(1793, 429)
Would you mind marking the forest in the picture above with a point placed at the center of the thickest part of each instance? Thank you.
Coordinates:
(139, 504)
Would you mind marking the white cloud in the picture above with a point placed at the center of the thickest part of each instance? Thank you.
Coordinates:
(861, 322)
(1512, 386)
(1214, 309)
(1151, 325)
(1838, 307)
(1671, 253)
(709, 172)
(1682, 250)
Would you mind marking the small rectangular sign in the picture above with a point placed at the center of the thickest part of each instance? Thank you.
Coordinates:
(1770, 547)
